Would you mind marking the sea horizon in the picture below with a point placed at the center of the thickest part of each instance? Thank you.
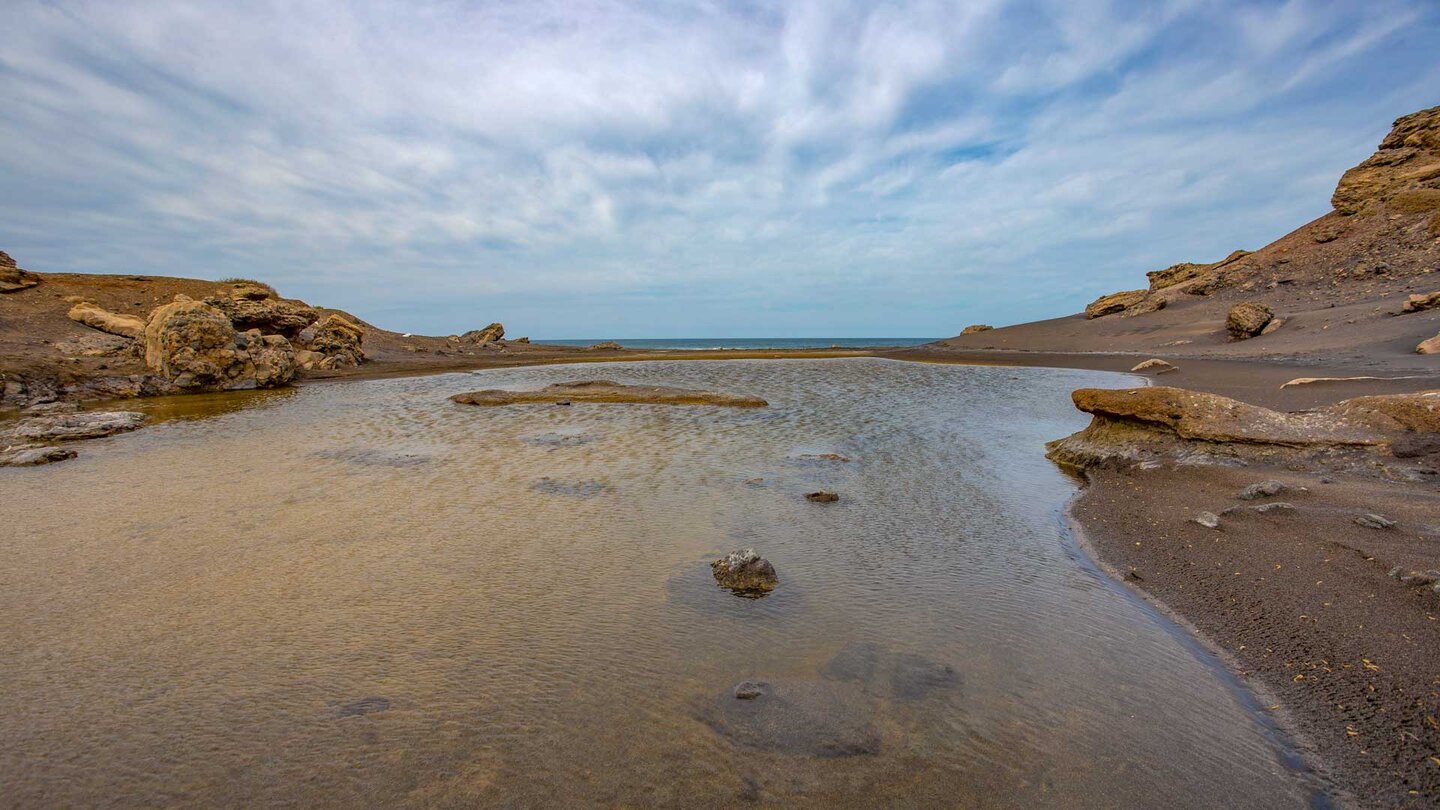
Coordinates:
(700, 343)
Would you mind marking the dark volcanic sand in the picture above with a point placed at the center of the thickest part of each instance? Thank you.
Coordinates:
(1301, 604)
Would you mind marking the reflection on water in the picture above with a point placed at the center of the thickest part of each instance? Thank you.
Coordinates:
(366, 595)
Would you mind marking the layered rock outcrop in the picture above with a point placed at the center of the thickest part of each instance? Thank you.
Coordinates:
(493, 333)
(12, 278)
(272, 316)
(1403, 175)
(335, 343)
(1134, 425)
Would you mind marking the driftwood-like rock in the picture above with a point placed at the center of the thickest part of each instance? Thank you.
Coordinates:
(1136, 424)
(71, 426)
(605, 391)
(96, 317)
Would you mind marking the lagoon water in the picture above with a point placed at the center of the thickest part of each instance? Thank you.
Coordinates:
(362, 594)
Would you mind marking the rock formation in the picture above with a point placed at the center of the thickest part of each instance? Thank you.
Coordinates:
(1114, 303)
(1139, 424)
(1420, 302)
(745, 572)
(195, 347)
(976, 328)
(95, 317)
(1247, 319)
(1402, 176)
(608, 345)
(490, 334)
(12, 278)
(31, 455)
(1429, 346)
(72, 426)
(272, 316)
(606, 391)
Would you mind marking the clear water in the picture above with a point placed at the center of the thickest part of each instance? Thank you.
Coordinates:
(362, 594)
(748, 343)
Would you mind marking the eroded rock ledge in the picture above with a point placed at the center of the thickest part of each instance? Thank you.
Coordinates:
(1135, 425)
(609, 392)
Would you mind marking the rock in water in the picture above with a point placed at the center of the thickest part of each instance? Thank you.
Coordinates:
(193, 345)
(1247, 319)
(1154, 364)
(605, 391)
(95, 317)
(745, 572)
(822, 496)
(749, 690)
(33, 455)
(72, 426)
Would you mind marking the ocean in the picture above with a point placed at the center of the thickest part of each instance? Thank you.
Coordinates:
(747, 343)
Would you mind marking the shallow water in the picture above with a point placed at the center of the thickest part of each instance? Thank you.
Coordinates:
(363, 594)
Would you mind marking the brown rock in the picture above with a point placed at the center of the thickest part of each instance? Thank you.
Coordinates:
(1247, 319)
(745, 572)
(1401, 174)
(340, 341)
(272, 316)
(605, 391)
(12, 278)
(114, 323)
(1114, 303)
(608, 345)
(822, 496)
(72, 426)
(489, 334)
(1421, 302)
(976, 328)
(1137, 423)
(33, 455)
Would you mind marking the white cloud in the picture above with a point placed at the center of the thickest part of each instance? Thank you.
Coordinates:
(617, 168)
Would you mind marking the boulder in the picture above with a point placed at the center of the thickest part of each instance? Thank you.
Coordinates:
(1404, 174)
(1207, 519)
(489, 334)
(1247, 319)
(34, 455)
(272, 316)
(822, 496)
(340, 341)
(12, 278)
(976, 328)
(1421, 302)
(745, 572)
(95, 317)
(72, 426)
(194, 346)
(609, 345)
(1114, 303)
(1428, 346)
(1264, 489)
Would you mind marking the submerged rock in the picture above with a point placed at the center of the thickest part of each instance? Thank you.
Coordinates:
(367, 705)
(809, 718)
(903, 676)
(578, 489)
(73, 426)
(605, 391)
(745, 572)
(27, 455)
(822, 496)
(749, 690)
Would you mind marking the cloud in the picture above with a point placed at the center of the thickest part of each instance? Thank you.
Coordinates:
(624, 169)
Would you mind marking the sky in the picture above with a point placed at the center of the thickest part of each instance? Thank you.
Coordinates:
(687, 168)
